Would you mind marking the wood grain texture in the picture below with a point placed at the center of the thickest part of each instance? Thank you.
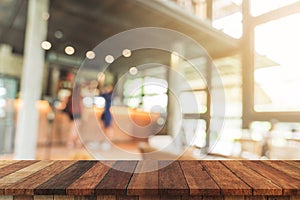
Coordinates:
(21, 174)
(256, 198)
(4, 163)
(26, 187)
(106, 197)
(259, 184)
(291, 186)
(87, 183)
(43, 197)
(290, 170)
(23, 198)
(117, 179)
(9, 169)
(171, 179)
(144, 183)
(226, 180)
(57, 185)
(294, 163)
(198, 180)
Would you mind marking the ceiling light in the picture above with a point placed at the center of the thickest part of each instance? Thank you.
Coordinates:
(109, 59)
(46, 45)
(69, 50)
(126, 53)
(133, 70)
(90, 55)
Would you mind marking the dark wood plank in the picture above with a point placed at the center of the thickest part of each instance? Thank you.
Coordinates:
(43, 197)
(256, 198)
(229, 183)
(171, 179)
(198, 180)
(212, 198)
(290, 186)
(290, 170)
(259, 184)
(119, 197)
(9, 169)
(58, 184)
(27, 186)
(117, 179)
(278, 198)
(144, 183)
(87, 183)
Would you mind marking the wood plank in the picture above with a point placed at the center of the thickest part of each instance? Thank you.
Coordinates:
(43, 197)
(290, 186)
(4, 163)
(19, 175)
(120, 197)
(278, 198)
(122, 171)
(57, 185)
(256, 198)
(144, 183)
(23, 198)
(294, 163)
(212, 198)
(167, 197)
(87, 183)
(294, 197)
(229, 183)
(198, 180)
(171, 179)
(26, 187)
(106, 197)
(259, 184)
(62, 197)
(6, 197)
(9, 169)
(284, 167)
(191, 197)
(85, 198)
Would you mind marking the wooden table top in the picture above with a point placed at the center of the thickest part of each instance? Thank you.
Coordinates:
(211, 178)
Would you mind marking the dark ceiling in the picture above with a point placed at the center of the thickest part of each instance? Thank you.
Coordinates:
(85, 23)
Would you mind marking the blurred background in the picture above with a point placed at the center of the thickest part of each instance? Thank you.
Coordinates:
(253, 44)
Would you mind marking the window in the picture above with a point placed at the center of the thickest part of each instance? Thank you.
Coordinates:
(277, 64)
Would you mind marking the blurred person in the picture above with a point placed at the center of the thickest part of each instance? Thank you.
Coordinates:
(106, 116)
(73, 110)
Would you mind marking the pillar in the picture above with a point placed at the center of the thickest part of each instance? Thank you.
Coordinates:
(31, 85)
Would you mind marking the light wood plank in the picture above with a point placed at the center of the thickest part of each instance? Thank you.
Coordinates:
(23, 173)
(43, 197)
(26, 187)
(106, 197)
(4, 163)
(61, 197)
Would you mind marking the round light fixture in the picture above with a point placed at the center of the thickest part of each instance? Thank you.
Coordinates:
(126, 53)
(90, 55)
(69, 50)
(46, 45)
(109, 59)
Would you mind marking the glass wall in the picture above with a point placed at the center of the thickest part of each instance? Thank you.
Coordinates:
(277, 65)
